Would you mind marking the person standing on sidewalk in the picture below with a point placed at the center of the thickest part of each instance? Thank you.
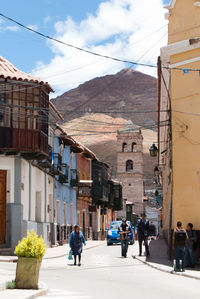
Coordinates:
(124, 231)
(179, 241)
(189, 247)
(143, 233)
(76, 242)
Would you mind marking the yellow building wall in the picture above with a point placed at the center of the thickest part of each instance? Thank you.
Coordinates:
(185, 98)
(184, 21)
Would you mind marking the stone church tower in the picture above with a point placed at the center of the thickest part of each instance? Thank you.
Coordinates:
(130, 166)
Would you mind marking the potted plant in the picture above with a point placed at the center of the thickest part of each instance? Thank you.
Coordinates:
(30, 251)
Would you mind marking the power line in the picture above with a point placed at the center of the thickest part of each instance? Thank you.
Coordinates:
(147, 36)
(88, 51)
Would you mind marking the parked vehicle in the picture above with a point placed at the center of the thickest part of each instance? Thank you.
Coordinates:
(113, 236)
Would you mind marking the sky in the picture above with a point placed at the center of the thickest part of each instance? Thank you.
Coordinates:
(132, 30)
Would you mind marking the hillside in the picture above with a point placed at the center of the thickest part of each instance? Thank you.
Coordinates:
(94, 130)
(121, 95)
(95, 110)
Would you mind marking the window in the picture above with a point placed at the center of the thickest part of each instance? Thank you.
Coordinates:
(124, 147)
(90, 220)
(129, 165)
(133, 146)
(2, 109)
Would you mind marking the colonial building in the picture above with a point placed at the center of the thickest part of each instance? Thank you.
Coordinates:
(26, 191)
(130, 167)
(84, 194)
(106, 198)
(179, 105)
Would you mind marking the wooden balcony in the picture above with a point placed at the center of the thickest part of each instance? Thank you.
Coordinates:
(32, 144)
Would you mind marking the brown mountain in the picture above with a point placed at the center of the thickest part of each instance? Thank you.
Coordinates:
(95, 110)
(126, 92)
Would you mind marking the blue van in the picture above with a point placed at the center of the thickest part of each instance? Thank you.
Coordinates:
(112, 233)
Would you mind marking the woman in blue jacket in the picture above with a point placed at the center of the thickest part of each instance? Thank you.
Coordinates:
(76, 242)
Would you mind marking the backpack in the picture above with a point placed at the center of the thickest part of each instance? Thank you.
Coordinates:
(180, 237)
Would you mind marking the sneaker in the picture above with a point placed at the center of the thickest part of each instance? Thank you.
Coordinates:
(79, 264)
(177, 270)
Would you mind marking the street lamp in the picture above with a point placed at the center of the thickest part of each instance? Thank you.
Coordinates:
(153, 150)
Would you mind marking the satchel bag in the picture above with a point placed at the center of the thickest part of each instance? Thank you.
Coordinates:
(70, 255)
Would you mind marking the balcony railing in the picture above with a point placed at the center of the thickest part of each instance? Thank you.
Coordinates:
(56, 166)
(74, 178)
(63, 177)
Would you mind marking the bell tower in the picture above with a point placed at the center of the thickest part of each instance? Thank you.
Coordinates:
(130, 165)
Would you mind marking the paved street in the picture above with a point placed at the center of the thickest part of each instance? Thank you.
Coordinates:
(105, 274)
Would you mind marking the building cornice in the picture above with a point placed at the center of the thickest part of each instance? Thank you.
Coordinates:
(171, 4)
(179, 47)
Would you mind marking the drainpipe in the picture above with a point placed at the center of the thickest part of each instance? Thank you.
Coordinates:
(159, 98)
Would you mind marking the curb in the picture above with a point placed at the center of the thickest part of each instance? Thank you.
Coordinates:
(63, 255)
(2, 286)
(41, 292)
(10, 260)
(164, 270)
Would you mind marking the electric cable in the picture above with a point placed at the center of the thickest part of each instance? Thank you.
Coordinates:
(88, 51)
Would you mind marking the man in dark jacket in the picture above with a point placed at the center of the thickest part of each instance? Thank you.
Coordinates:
(124, 231)
(179, 239)
(190, 246)
(143, 233)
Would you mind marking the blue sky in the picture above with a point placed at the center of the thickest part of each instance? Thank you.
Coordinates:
(83, 23)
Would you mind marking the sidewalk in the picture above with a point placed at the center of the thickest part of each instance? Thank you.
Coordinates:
(159, 260)
(9, 275)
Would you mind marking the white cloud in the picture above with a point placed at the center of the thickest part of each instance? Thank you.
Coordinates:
(114, 30)
(47, 19)
(13, 28)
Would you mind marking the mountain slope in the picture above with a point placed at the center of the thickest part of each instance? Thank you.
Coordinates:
(95, 110)
(127, 93)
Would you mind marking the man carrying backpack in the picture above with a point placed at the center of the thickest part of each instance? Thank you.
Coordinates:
(190, 246)
(179, 240)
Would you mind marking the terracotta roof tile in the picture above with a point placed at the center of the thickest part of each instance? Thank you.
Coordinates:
(9, 71)
(56, 111)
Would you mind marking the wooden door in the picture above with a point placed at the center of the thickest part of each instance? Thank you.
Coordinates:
(2, 207)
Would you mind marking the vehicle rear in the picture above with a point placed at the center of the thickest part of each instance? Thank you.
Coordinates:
(113, 235)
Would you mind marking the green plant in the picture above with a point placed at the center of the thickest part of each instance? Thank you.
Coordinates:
(31, 246)
(11, 285)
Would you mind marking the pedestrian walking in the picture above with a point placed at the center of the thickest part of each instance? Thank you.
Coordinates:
(143, 233)
(179, 241)
(76, 242)
(124, 231)
(190, 246)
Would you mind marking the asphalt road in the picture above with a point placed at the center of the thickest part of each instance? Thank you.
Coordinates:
(104, 274)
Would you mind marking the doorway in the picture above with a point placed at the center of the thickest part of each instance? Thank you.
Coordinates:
(3, 207)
